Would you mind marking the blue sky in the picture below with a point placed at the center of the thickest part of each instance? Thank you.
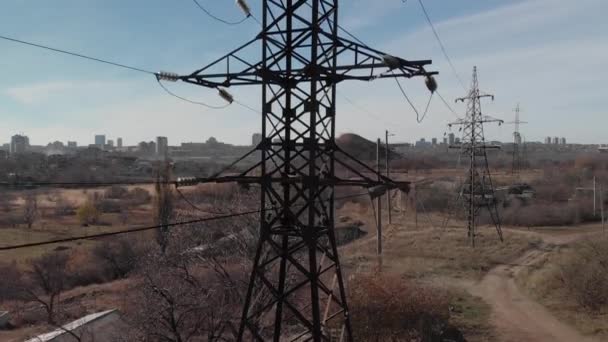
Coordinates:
(548, 55)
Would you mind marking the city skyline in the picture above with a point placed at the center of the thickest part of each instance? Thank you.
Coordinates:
(104, 141)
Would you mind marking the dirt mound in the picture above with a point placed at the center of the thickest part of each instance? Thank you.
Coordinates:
(357, 146)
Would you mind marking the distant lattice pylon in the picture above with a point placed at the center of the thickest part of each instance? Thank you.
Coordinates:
(477, 191)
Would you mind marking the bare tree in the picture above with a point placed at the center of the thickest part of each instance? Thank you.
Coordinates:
(181, 300)
(119, 257)
(46, 280)
(30, 209)
(163, 204)
(6, 199)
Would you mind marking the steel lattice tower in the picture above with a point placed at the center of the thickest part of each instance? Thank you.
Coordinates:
(477, 191)
(517, 142)
(296, 291)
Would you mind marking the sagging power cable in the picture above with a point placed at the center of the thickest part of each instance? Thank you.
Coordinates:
(213, 16)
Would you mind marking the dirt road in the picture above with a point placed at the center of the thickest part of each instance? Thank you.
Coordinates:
(516, 316)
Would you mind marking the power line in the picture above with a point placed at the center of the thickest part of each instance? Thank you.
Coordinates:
(218, 18)
(120, 66)
(76, 54)
(428, 19)
(68, 184)
(127, 231)
(187, 100)
(142, 229)
(194, 206)
(247, 107)
(418, 119)
(447, 105)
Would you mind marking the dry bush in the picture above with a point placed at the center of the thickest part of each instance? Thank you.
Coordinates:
(556, 191)
(46, 280)
(593, 162)
(6, 200)
(117, 258)
(215, 192)
(435, 199)
(30, 209)
(183, 298)
(388, 308)
(88, 213)
(116, 192)
(585, 274)
(63, 207)
(139, 196)
(541, 214)
(10, 282)
(107, 205)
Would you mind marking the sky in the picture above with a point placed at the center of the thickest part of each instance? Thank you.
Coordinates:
(548, 55)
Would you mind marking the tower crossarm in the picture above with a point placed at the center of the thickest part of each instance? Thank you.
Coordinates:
(355, 61)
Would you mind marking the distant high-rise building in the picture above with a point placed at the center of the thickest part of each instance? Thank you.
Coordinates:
(100, 140)
(422, 143)
(119, 142)
(256, 139)
(72, 144)
(451, 138)
(19, 144)
(111, 143)
(445, 140)
(457, 141)
(162, 146)
(562, 141)
(147, 148)
(548, 140)
(555, 141)
(434, 141)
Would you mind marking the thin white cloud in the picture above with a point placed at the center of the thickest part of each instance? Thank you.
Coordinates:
(546, 55)
(37, 93)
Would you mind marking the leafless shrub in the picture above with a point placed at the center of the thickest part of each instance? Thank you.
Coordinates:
(163, 206)
(46, 281)
(10, 282)
(63, 207)
(387, 308)
(183, 298)
(88, 213)
(585, 274)
(30, 209)
(116, 258)
(106, 205)
(6, 200)
(537, 214)
(139, 196)
(116, 192)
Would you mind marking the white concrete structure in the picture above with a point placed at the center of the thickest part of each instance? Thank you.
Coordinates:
(103, 326)
(5, 317)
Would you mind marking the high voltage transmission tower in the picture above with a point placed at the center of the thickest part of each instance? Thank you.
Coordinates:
(477, 191)
(517, 142)
(296, 290)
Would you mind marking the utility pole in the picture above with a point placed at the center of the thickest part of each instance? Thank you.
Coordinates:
(303, 59)
(592, 189)
(378, 204)
(594, 197)
(602, 207)
(478, 190)
(388, 175)
(415, 205)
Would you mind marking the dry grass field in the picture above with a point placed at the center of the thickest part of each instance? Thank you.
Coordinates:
(424, 254)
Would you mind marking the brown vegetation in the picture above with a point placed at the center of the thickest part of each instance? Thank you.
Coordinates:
(388, 308)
